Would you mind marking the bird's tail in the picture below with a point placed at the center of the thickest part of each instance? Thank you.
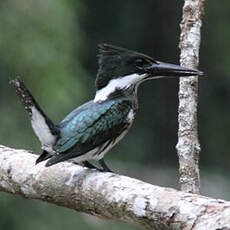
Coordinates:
(25, 96)
(43, 127)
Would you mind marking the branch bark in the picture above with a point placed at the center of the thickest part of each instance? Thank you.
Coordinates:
(188, 147)
(109, 195)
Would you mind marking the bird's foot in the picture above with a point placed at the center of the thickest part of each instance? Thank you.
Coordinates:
(105, 168)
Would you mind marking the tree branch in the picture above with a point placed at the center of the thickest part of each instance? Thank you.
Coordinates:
(188, 146)
(109, 195)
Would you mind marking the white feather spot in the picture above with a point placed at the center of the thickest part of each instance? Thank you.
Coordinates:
(130, 116)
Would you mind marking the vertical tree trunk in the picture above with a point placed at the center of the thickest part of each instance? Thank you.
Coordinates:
(188, 146)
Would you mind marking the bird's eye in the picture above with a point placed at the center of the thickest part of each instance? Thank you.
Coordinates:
(140, 63)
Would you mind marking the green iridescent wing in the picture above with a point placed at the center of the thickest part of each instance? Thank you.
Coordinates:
(92, 127)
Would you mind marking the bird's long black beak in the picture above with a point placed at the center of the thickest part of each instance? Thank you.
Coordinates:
(161, 69)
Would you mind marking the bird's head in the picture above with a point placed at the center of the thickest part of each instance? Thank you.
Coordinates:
(121, 68)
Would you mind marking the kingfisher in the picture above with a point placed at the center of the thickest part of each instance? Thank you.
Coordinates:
(89, 131)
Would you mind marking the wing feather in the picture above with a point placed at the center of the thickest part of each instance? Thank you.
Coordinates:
(91, 128)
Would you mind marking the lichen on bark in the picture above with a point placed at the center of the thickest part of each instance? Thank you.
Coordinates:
(188, 147)
(109, 195)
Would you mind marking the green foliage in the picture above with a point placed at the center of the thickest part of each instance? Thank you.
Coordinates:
(39, 42)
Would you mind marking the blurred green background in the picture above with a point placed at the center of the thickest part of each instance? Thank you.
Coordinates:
(52, 45)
